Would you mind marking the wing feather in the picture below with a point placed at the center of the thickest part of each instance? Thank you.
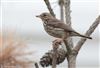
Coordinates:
(59, 24)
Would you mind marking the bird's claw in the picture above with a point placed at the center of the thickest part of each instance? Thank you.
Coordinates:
(58, 41)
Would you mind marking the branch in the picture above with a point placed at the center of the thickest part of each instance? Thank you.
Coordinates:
(67, 12)
(55, 47)
(36, 65)
(61, 4)
(49, 7)
(68, 42)
(88, 33)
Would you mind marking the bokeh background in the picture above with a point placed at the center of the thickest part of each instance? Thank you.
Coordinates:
(18, 16)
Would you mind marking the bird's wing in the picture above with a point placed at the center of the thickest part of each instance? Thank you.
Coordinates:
(59, 24)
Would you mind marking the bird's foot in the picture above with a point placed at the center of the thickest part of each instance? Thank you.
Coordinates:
(58, 41)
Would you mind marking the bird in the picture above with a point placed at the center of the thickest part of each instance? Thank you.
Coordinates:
(58, 28)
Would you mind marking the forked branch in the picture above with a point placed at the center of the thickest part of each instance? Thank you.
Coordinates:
(88, 33)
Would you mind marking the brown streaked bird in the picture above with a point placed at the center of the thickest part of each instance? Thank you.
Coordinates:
(57, 28)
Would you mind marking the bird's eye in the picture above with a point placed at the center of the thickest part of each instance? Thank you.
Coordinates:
(44, 15)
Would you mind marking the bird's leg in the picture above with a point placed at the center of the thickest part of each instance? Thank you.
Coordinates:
(58, 41)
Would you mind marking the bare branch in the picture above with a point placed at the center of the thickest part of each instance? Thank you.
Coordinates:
(61, 4)
(68, 42)
(55, 47)
(72, 61)
(88, 33)
(49, 7)
(36, 65)
(67, 12)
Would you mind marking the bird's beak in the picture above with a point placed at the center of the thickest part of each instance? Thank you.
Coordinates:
(38, 16)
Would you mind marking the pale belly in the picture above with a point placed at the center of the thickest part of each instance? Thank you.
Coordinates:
(55, 32)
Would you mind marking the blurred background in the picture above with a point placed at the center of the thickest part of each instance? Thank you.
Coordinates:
(18, 17)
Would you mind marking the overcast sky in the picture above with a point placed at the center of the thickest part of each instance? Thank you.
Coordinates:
(20, 14)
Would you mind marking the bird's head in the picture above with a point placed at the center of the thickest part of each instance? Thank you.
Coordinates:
(45, 16)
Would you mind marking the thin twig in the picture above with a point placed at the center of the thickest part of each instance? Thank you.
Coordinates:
(49, 7)
(36, 65)
(61, 5)
(67, 12)
(88, 33)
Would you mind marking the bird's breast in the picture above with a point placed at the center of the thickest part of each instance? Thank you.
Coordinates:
(56, 32)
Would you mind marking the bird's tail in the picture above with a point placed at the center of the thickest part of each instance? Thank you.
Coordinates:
(83, 35)
(86, 36)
